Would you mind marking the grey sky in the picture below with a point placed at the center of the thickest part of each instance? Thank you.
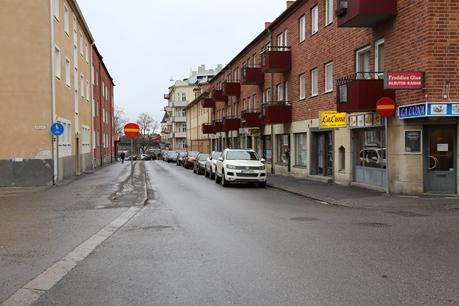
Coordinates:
(146, 42)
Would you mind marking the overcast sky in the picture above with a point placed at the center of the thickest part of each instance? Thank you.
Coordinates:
(146, 42)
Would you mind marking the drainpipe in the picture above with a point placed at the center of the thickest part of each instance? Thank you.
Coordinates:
(272, 94)
(54, 147)
(93, 75)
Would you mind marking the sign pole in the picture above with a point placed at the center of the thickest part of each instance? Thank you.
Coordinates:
(132, 156)
(387, 156)
(57, 157)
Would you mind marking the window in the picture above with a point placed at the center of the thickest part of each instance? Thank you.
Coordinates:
(56, 8)
(286, 38)
(268, 95)
(283, 149)
(82, 86)
(286, 91)
(81, 44)
(314, 82)
(280, 40)
(379, 58)
(329, 77)
(362, 62)
(314, 20)
(301, 150)
(183, 96)
(302, 86)
(280, 92)
(302, 28)
(87, 90)
(254, 102)
(66, 20)
(86, 52)
(57, 62)
(67, 71)
(328, 12)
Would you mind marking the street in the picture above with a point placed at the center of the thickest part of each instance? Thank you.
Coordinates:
(197, 243)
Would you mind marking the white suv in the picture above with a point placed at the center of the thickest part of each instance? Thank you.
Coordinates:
(240, 166)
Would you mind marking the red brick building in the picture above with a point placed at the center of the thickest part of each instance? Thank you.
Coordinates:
(331, 55)
(103, 111)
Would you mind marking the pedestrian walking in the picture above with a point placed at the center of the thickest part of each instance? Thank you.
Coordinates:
(123, 156)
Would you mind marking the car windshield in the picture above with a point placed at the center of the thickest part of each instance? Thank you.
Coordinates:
(192, 154)
(241, 155)
(216, 155)
(173, 153)
(203, 157)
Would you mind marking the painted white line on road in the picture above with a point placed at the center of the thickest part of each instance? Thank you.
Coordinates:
(33, 290)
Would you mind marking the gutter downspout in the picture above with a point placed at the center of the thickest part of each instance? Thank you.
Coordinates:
(54, 146)
(272, 94)
(93, 75)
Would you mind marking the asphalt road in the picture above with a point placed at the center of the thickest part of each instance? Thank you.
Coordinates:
(197, 243)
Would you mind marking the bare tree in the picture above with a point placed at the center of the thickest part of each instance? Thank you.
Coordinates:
(147, 125)
(120, 120)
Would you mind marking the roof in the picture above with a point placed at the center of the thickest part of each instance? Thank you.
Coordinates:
(80, 16)
(165, 117)
(103, 63)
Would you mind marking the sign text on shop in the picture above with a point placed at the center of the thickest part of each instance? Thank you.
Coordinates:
(333, 120)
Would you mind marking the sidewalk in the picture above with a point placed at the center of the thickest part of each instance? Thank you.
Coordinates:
(355, 197)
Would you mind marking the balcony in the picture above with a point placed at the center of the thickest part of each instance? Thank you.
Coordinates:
(232, 89)
(180, 135)
(218, 96)
(277, 112)
(180, 103)
(276, 60)
(359, 92)
(231, 123)
(218, 126)
(365, 13)
(207, 128)
(252, 75)
(251, 118)
(178, 119)
(208, 103)
(166, 96)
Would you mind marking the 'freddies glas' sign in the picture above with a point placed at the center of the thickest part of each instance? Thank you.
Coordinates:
(403, 80)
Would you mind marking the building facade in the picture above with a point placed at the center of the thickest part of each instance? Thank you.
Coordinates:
(103, 112)
(179, 96)
(46, 78)
(196, 116)
(303, 94)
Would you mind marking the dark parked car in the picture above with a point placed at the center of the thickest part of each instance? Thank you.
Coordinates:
(180, 158)
(171, 156)
(189, 160)
(200, 163)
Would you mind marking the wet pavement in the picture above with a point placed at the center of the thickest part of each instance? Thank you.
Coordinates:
(197, 243)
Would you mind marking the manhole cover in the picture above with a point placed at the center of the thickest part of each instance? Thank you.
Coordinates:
(374, 224)
(407, 214)
(304, 219)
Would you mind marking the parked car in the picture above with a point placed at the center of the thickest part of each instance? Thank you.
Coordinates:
(182, 155)
(200, 163)
(164, 155)
(145, 157)
(240, 166)
(211, 163)
(171, 156)
(188, 161)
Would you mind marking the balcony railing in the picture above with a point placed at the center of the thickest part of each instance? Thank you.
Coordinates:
(277, 112)
(365, 13)
(360, 91)
(251, 118)
(179, 103)
(231, 123)
(218, 96)
(276, 59)
(207, 128)
(232, 89)
(208, 103)
(252, 75)
(218, 126)
(176, 119)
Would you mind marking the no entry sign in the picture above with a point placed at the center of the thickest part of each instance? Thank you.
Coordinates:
(386, 107)
(132, 130)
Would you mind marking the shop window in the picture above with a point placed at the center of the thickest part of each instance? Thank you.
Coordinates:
(342, 159)
(300, 150)
(283, 149)
(371, 148)
(267, 147)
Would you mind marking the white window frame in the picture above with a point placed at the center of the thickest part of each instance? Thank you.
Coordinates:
(315, 19)
(280, 40)
(66, 20)
(314, 82)
(327, 75)
(82, 85)
(280, 92)
(81, 44)
(57, 62)
(357, 59)
(329, 13)
(302, 28)
(86, 52)
(68, 72)
(286, 91)
(286, 38)
(57, 9)
(378, 43)
(302, 84)
(87, 90)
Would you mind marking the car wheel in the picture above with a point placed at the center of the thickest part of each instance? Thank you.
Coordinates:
(262, 184)
(217, 178)
(224, 181)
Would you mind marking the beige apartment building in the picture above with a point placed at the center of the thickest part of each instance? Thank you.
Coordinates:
(45, 61)
(196, 116)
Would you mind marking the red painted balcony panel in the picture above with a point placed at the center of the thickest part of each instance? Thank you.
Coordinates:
(361, 95)
(231, 124)
(232, 89)
(252, 76)
(218, 126)
(218, 96)
(277, 113)
(276, 60)
(207, 128)
(208, 103)
(251, 118)
(365, 13)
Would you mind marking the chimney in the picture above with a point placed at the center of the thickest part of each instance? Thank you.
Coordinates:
(290, 3)
(267, 24)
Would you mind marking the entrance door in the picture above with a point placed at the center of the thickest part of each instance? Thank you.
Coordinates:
(324, 163)
(440, 159)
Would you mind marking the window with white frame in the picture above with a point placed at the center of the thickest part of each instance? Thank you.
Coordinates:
(328, 11)
(286, 91)
(75, 56)
(87, 90)
(301, 150)
(302, 83)
(81, 44)
(183, 96)
(254, 101)
(66, 20)
(379, 58)
(302, 28)
(57, 62)
(329, 77)
(314, 82)
(286, 38)
(280, 40)
(82, 85)
(280, 92)
(314, 20)
(56, 8)
(67, 71)
(362, 62)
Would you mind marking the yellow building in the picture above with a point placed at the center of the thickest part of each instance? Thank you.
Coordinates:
(196, 116)
(45, 61)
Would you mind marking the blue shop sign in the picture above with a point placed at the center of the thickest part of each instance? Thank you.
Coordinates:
(412, 111)
(429, 110)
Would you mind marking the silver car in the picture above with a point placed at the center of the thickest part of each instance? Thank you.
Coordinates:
(211, 162)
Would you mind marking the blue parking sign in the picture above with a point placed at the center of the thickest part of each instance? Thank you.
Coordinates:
(57, 129)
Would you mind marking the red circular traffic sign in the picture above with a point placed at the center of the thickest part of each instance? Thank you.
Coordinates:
(386, 107)
(132, 130)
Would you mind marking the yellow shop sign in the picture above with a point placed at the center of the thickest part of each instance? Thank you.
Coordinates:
(333, 120)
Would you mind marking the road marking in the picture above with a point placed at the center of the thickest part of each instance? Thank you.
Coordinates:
(33, 290)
